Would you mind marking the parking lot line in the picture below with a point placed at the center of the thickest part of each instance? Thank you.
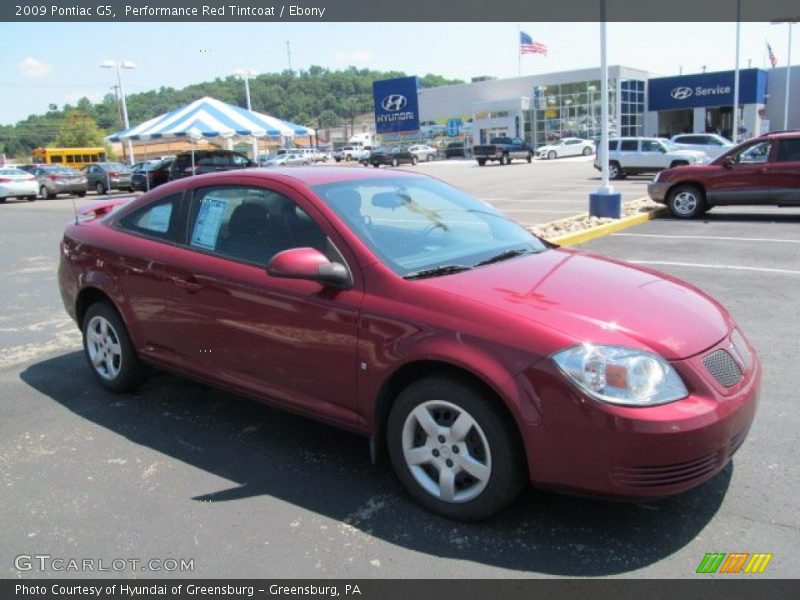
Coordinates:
(707, 266)
(707, 237)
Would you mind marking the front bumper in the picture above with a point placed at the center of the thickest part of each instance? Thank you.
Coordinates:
(579, 444)
(658, 191)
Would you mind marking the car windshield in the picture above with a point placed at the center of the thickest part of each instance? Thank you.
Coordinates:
(417, 225)
(116, 166)
(670, 145)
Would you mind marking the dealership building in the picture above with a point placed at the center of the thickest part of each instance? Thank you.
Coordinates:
(549, 106)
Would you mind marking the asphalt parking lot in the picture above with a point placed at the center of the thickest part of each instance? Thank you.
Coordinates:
(179, 470)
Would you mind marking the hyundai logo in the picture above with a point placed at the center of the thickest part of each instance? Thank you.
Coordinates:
(394, 102)
(681, 93)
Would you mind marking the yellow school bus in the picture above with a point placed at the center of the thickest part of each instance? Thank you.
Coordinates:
(69, 157)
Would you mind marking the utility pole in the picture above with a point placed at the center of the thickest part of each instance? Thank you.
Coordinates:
(119, 104)
(289, 54)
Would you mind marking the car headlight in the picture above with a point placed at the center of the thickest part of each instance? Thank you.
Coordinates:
(620, 375)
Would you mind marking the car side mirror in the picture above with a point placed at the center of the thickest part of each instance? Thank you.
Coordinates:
(309, 264)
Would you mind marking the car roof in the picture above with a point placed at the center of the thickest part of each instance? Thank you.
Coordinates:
(789, 133)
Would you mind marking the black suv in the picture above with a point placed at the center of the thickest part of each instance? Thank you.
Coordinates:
(454, 149)
(207, 161)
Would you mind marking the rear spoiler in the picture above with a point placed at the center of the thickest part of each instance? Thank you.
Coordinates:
(95, 210)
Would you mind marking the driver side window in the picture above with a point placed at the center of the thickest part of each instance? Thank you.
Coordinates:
(756, 153)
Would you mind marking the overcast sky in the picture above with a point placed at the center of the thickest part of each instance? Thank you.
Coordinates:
(60, 62)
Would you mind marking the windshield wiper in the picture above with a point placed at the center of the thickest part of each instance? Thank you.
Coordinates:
(502, 256)
(436, 271)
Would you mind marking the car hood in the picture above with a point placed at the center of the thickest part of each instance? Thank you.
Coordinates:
(594, 299)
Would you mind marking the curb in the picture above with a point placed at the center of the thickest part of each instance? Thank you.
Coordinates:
(581, 237)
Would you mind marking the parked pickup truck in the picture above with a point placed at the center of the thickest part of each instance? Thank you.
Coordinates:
(502, 150)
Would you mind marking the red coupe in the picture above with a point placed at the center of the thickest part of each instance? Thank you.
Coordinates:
(392, 304)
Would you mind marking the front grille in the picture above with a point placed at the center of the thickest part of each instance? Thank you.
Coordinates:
(724, 369)
(741, 347)
(664, 475)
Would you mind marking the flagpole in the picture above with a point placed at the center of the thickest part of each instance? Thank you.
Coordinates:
(764, 58)
(519, 51)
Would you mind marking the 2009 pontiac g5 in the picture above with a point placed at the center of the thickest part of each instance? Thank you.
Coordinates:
(394, 305)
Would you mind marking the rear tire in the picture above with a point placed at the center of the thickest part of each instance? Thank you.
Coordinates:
(587, 151)
(481, 162)
(686, 202)
(454, 449)
(109, 351)
(504, 159)
(529, 158)
(30, 198)
(429, 158)
(395, 162)
(413, 160)
(81, 194)
(100, 188)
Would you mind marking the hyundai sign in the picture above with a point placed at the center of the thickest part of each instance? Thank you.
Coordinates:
(706, 89)
(396, 106)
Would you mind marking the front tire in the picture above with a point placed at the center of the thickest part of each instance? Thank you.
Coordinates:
(587, 151)
(481, 162)
(413, 160)
(686, 202)
(551, 155)
(504, 159)
(100, 188)
(395, 162)
(429, 158)
(615, 171)
(109, 350)
(454, 450)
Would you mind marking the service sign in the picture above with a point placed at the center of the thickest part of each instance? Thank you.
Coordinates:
(706, 89)
(396, 105)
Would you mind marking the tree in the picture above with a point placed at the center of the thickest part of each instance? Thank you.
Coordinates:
(78, 129)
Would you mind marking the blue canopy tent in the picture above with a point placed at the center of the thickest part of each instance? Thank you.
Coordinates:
(210, 118)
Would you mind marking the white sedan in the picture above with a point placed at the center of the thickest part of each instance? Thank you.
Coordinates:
(423, 151)
(566, 147)
(16, 183)
(290, 158)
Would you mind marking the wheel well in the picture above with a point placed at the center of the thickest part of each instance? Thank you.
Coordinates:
(86, 298)
(408, 374)
(695, 184)
(676, 163)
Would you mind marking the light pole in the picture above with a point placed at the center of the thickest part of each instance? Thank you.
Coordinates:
(735, 136)
(790, 21)
(605, 202)
(122, 64)
(246, 74)
(592, 89)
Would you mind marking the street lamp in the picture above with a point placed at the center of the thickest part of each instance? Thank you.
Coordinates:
(122, 64)
(246, 74)
(790, 21)
(592, 89)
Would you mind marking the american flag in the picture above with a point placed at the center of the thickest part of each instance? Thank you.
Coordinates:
(773, 61)
(528, 46)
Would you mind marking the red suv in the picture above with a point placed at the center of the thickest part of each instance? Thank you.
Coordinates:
(763, 170)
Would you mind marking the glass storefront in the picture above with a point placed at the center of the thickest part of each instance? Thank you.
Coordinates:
(573, 110)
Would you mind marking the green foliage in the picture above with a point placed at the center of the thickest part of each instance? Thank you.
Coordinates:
(79, 130)
(317, 97)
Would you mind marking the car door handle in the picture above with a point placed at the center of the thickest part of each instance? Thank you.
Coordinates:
(190, 285)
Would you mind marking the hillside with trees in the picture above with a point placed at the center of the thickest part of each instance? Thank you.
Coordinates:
(317, 97)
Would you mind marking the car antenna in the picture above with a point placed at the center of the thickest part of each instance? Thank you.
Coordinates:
(75, 210)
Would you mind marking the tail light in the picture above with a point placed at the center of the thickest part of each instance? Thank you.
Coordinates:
(4, 180)
(113, 174)
(52, 177)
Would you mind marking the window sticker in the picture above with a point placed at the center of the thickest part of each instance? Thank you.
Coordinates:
(157, 218)
(209, 221)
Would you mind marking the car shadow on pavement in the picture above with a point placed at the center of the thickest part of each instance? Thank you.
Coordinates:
(715, 216)
(267, 452)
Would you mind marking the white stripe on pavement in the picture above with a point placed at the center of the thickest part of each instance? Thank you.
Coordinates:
(707, 237)
(705, 266)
